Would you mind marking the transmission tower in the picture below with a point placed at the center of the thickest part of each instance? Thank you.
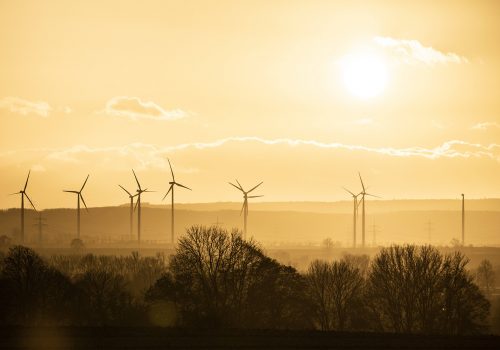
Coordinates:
(40, 224)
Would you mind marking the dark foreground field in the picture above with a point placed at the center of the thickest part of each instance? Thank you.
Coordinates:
(158, 338)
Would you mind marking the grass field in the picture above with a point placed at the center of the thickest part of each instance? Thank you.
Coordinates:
(158, 338)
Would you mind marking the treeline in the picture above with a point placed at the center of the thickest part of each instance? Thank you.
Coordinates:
(218, 280)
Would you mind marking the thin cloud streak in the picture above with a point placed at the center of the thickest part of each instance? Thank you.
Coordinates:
(412, 51)
(151, 154)
(25, 107)
(134, 108)
(486, 126)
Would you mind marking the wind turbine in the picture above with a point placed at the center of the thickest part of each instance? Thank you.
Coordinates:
(171, 189)
(355, 215)
(78, 197)
(23, 194)
(140, 191)
(244, 208)
(131, 219)
(363, 194)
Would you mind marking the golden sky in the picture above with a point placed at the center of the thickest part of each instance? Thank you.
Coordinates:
(256, 90)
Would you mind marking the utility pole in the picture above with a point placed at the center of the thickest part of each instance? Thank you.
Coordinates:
(40, 223)
(463, 219)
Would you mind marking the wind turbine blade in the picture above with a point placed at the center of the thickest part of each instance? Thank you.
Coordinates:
(243, 207)
(84, 183)
(138, 184)
(372, 195)
(171, 171)
(178, 184)
(26, 184)
(362, 184)
(359, 202)
(255, 187)
(71, 191)
(11, 194)
(166, 194)
(137, 202)
(255, 196)
(30, 200)
(349, 191)
(238, 188)
(83, 200)
(241, 187)
(123, 188)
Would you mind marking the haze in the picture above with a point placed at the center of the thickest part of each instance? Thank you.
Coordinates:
(252, 90)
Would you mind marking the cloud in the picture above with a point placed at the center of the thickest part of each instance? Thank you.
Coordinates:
(364, 121)
(438, 124)
(25, 107)
(139, 154)
(134, 108)
(150, 156)
(38, 168)
(486, 125)
(412, 51)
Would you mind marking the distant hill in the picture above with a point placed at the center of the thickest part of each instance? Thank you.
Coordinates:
(375, 205)
(300, 223)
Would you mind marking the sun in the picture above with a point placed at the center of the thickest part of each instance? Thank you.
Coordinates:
(364, 74)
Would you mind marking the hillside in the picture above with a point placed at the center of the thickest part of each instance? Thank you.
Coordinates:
(299, 223)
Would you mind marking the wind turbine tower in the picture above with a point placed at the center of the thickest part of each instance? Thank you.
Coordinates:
(78, 197)
(355, 216)
(140, 191)
(244, 208)
(131, 214)
(24, 194)
(363, 214)
(173, 183)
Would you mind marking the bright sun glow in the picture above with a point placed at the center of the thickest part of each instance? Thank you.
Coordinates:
(365, 75)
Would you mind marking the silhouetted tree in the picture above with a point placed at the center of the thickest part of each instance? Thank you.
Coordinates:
(319, 279)
(465, 309)
(33, 292)
(415, 289)
(5, 241)
(336, 291)
(276, 298)
(102, 299)
(218, 279)
(77, 244)
(485, 277)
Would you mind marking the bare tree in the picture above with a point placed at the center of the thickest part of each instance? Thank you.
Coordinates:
(215, 268)
(319, 279)
(334, 288)
(418, 290)
(485, 277)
